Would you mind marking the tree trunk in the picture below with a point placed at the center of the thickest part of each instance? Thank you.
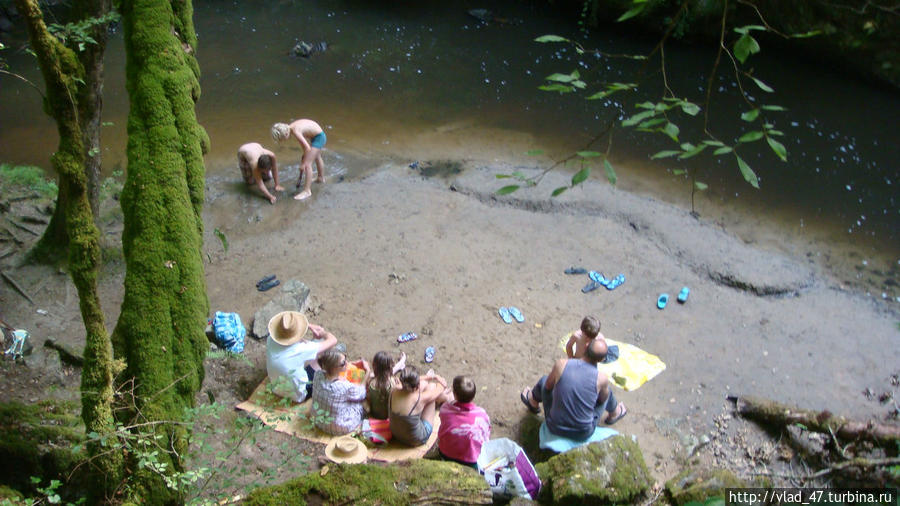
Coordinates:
(772, 412)
(160, 331)
(64, 78)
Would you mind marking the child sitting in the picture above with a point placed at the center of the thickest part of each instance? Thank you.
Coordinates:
(580, 339)
(464, 426)
(378, 389)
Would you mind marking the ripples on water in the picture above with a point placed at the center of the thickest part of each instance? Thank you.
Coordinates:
(392, 72)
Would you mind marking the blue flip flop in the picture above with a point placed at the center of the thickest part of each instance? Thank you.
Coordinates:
(429, 354)
(683, 294)
(615, 282)
(504, 314)
(405, 338)
(591, 286)
(514, 311)
(575, 270)
(268, 285)
(662, 300)
(598, 277)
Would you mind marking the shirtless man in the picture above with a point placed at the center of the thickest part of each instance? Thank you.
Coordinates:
(311, 136)
(258, 165)
(581, 338)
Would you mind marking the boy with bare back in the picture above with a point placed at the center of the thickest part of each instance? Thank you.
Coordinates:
(258, 165)
(580, 339)
(312, 138)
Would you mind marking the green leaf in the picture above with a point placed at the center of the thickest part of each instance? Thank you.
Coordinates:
(562, 88)
(693, 152)
(534, 152)
(722, 150)
(588, 154)
(581, 175)
(634, 11)
(221, 235)
(563, 78)
(763, 86)
(774, 132)
(747, 172)
(778, 148)
(502, 176)
(672, 130)
(551, 38)
(507, 189)
(679, 172)
(637, 118)
(700, 186)
(599, 95)
(713, 143)
(646, 105)
(773, 108)
(744, 47)
(579, 84)
(690, 108)
(559, 191)
(746, 29)
(665, 154)
(750, 115)
(811, 33)
(751, 136)
(652, 122)
(610, 172)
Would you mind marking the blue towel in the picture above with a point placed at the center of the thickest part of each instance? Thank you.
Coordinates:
(559, 444)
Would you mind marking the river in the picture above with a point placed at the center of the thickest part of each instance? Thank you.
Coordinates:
(425, 81)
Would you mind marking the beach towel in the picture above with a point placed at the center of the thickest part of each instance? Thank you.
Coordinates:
(633, 368)
(559, 444)
(286, 417)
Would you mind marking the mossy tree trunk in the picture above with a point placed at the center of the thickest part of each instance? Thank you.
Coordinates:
(160, 331)
(69, 101)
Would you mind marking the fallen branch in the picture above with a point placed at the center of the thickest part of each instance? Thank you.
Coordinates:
(772, 412)
(64, 354)
(15, 285)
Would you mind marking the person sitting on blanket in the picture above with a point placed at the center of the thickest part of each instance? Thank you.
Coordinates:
(338, 403)
(290, 358)
(412, 406)
(579, 340)
(464, 426)
(575, 395)
(378, 389)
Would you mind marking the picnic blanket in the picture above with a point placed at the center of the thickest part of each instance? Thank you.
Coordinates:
(633, 368)
(287, 417)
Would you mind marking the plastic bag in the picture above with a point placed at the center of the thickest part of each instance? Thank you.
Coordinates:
(507, 470)
(230, 332)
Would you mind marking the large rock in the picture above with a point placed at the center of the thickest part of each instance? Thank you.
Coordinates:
(411, 482)
(611, 471)
(293, 296)
(699, 484)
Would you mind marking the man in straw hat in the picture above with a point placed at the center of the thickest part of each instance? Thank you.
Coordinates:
(290, 358)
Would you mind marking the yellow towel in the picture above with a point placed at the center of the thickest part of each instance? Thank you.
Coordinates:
(633, 368)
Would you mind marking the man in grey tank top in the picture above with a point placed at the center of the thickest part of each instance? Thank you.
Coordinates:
(576, 395)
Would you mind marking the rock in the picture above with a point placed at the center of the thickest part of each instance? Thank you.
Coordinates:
(294, 296)
(700, 484)
(611, 471)
(305, 49)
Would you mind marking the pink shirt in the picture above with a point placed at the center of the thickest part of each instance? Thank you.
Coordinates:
(464, 428)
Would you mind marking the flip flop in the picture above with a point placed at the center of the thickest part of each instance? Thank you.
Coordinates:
(683, 294)
(268, 285)
(265, 280)
(575, 270)
(405, 338)
(429, 354)
(615, 282)
(514, 311)
(598, 277)
(621, 415)
(527, 404)
(504, 313)
(662, 300)
(593, 285)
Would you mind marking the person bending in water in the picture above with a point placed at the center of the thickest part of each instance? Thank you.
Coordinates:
(258, 165)
(311, 136)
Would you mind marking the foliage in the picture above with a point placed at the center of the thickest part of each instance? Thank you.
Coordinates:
(222, 238)
(28, 177)
(78, 34)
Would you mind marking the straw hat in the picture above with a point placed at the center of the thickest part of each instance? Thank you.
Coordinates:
(288, 327)
(346, 450)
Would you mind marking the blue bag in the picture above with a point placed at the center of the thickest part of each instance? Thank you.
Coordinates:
(230, 332)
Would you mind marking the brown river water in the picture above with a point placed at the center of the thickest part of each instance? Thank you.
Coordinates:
(425, 81)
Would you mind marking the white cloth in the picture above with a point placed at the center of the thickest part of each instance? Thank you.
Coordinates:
(285, 367)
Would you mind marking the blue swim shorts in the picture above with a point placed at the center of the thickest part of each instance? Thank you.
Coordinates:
(318, 141)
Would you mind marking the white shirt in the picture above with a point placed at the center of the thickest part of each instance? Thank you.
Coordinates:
(285, 367)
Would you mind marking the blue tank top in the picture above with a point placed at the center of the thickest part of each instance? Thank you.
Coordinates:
(574, 399)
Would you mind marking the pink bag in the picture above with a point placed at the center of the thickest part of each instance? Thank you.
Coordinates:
(377, 430)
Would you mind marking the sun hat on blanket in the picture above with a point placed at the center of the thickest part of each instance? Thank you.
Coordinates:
(346, 450)
(288, 327)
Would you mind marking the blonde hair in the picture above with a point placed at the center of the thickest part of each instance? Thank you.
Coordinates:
(281, 131)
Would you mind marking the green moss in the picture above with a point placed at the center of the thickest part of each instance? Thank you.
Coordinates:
(423, 480)
(16, 178)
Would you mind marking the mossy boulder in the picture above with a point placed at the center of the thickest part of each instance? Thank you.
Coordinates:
(699, 484)
(611, 471)
(416, 481)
